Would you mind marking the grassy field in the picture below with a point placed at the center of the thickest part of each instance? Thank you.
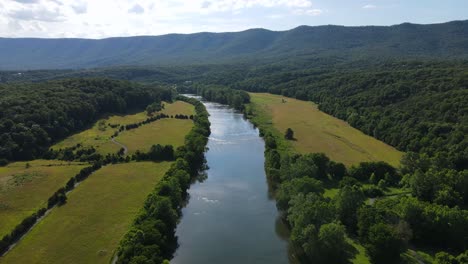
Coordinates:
(315, 131)
(99, 135)
(178, 107)
(165, 132)
(25, 190)
(98, 213)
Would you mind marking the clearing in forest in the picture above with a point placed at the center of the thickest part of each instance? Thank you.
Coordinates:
(99, 136)
(88, 228)
(316, 131)
(25, 187)
(169, 131)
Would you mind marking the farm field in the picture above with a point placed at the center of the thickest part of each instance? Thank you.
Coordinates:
(316, 131)
(88, 228)
(168, 131)
(100, 134)
(26, 188)
(178, 107)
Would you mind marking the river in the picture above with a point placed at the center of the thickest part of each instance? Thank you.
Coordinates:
(230, 217)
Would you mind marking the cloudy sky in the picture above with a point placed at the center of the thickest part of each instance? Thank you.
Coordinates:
(109, 18)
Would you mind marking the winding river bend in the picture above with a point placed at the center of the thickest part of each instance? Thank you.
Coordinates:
(230, 217)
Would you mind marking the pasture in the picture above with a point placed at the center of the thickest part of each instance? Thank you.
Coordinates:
(100, 133)
(26, 188)
(88, 228)
(316, 131)
(168, 131)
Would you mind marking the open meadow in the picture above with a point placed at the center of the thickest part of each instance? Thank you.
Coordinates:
(88, 228)
(316, 131)
(100, 134)
(169, 131)
(26, 186)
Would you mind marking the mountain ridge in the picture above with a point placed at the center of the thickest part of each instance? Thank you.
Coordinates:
(442, 40)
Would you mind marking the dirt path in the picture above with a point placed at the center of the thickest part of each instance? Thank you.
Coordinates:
(120, 145)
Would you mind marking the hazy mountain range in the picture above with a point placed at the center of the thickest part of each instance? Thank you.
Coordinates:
(446, 40)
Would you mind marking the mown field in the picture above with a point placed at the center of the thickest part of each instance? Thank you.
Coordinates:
(315, 131)
(26, 186)
(88, 228)
(100, 134)
(169, 131)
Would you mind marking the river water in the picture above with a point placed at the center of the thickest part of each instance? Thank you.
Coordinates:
(230, 217)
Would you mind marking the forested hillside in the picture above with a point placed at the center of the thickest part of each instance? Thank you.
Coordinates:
(447, 40)
(414, 106)
(32, 116)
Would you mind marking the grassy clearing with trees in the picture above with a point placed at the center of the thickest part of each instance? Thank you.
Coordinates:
(100, 134)
(413, 207)
(315, 131)
(26, 186)
(89, 227)
(92, 219)
(166, 131)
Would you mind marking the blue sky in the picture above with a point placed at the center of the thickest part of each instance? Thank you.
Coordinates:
(110, 18)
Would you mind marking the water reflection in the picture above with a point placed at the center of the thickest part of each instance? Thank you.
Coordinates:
(230, 217)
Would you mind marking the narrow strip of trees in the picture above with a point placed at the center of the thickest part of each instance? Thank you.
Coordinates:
(152, 236)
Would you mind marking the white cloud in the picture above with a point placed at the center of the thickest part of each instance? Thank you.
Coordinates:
(314, 12)
(369, 6)
(308, 12)
(80, 8)
(27, 1)
(137, 9)
(78, 18)
(38, 14)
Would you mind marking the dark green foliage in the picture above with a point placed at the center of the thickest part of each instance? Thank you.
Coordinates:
(384, 245)
(296, 186)
(416, 106)
(289, 134)
(332, 244)
(20, 230)
(223, 95)
(372, 191)
(445, 187)
(154, 107)
(152, 237)
(435, 225)
(147, 121)
(337, 170)
(349, 181)
(348, 201)
(156, 153)
(33, 116)
(376, 171)
(446, 258)
(59, 198)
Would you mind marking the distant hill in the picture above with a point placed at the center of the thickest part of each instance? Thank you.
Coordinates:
(447, 40)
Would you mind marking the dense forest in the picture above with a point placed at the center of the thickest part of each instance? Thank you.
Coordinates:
(220, 94)
(320, 225)
(418, 107)
(414, 106)
(33, 116)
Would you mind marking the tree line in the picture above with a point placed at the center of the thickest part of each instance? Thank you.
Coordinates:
(58, 198)
(415, 106)
(319, 225)
(151, 238)
(220, 94)
(35, 115)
